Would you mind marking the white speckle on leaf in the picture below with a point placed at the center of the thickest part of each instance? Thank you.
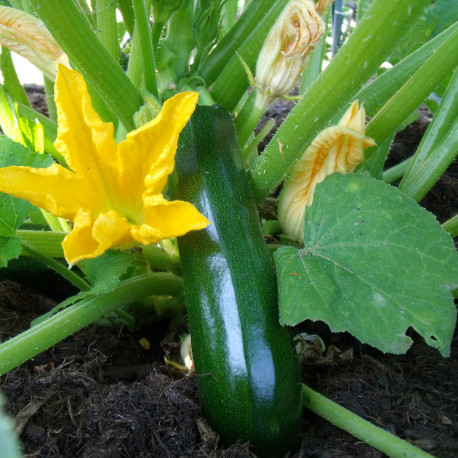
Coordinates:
(380, 300)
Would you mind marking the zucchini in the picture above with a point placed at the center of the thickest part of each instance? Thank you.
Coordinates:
(247, 371)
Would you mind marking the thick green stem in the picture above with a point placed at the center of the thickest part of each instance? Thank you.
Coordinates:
(409, 97)
(30, 343)
(73, 32)
(107, 27)
(376, 437)
(142, 39)
(434, 166)
(46, 242)
(377, 93)
(368, 46)
(128, 15)
(434, 135)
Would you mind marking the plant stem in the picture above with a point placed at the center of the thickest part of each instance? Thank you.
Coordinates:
(366, 49)
(61, 269)
(377, 93)
(434, 166)
(107, 28)
(451, 225)
(410, 96)
(376, 437)
(30, 343)
(74, 34)
(247, 127)
(142, 39)
(396, 172)
(158, 258)
(46, 242)
(442, 122)
(250, 148)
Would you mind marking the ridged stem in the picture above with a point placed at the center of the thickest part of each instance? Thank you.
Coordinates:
(47, 333)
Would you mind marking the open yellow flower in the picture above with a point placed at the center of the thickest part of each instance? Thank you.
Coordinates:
(113, 193)
(336, 149)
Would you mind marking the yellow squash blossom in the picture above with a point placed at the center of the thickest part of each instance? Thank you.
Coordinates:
(336, 149)
(113, 193)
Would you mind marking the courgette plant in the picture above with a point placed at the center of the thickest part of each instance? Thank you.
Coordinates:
(96, 179)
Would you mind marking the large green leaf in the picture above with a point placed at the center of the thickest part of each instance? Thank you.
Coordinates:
(14, 210)
(374, 264)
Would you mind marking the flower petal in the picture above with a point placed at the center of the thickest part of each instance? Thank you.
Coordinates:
(164, 219)
(147, 156)
(56, 189)
(85, 141)
(336, 149)
(90, 239)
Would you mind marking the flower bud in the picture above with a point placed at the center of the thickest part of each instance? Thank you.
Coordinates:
(336, 149)
(163, 9)
(286, 50)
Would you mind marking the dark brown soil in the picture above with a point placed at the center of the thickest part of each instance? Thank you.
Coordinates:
(99, 393)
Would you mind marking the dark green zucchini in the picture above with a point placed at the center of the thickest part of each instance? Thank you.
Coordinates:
(247, 370)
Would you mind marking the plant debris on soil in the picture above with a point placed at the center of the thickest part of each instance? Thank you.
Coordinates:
(99, 393)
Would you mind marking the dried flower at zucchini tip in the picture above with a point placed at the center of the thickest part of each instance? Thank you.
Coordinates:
(113, 193)
(336, 149)
(27, 36)
(286, 50)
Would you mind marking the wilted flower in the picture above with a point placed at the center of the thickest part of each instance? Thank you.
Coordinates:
(322, 5)
(336, 149)
(113, 193)
(286, 50)
(28, 37)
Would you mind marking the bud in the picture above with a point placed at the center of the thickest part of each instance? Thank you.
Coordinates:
(207, 22)
(336, 149)
(286, 50)
(27, 36)
(163, 9)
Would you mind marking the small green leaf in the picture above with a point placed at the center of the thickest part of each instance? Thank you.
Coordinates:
(13, 210)
(10, 248)
(105, 271)
(374, 264)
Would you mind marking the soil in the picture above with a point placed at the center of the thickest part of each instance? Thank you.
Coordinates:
(99, 393)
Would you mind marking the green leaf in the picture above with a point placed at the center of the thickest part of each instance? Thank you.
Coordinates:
(13, 210)
(105, 271)
(374, 264)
